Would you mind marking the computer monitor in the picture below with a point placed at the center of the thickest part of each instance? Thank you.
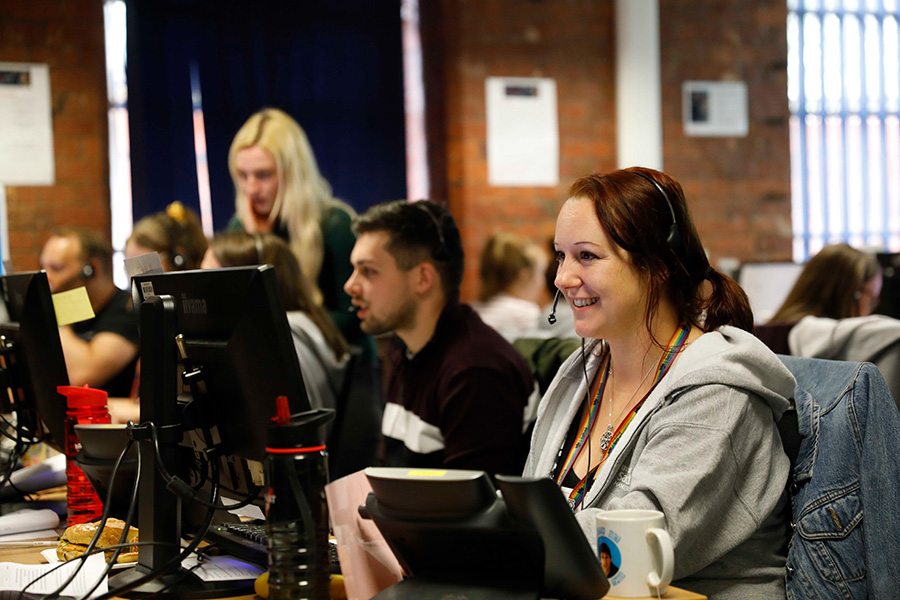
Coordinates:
(234, 327)
(767, 284)
(32, 363)
(228, 331)
(454, 536)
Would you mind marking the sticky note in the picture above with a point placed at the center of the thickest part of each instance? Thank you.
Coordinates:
(426, 473)
(72, 306)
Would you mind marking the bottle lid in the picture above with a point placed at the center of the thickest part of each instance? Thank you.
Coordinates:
(83, 396)
(302, 430)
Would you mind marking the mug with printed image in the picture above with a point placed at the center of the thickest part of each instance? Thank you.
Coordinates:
(635, 551)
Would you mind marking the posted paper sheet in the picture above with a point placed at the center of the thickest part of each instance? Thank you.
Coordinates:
(522, 131)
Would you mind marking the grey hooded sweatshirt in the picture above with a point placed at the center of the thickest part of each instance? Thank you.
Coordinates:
(874, 339)
(703, 449)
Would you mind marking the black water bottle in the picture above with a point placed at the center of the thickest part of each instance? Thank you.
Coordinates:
(296, 511)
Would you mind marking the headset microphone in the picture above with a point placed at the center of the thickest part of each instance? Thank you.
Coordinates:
(352, 308)
(551, 318)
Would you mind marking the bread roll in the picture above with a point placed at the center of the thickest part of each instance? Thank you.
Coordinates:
(75, 539)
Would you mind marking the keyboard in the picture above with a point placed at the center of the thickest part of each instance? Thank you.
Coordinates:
(248, 541)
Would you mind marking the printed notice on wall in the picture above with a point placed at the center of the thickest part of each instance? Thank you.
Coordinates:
(715, 108)
(26, 127)
(522, 132)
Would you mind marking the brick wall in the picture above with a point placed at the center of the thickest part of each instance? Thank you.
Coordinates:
(738, 188)
(68, 36)
(568, 40)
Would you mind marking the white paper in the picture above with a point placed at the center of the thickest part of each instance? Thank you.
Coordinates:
(250, 511)
(143, 264)
(28, 520)
(52, 557)
(715, 108)
(14, 577)
(26, 126)
(522, 131)
(222, 568)
(27, 536)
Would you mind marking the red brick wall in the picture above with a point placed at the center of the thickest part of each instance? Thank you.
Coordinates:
(738, 188)
(68, 36)
(568, 40)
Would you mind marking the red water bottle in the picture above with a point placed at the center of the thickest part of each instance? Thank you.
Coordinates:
(84, 405)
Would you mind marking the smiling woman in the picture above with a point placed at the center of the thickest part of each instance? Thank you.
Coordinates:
(670, 404)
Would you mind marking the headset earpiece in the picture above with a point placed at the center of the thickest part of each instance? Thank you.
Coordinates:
(179, 262)
(442, 252)
(87, 271)
(673, 239)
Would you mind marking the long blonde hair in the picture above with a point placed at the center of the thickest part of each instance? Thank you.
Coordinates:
(303, 194)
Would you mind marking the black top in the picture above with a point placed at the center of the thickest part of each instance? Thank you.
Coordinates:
(459, 402)
(116, 316)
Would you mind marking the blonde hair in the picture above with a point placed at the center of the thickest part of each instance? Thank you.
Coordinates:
(303, 194)
(503, 259)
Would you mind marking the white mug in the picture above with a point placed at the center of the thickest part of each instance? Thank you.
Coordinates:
(635, 551)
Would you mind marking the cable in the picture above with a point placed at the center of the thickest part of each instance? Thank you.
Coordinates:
(95, 551)
(175, 562)
(132, 505)
(105, 516)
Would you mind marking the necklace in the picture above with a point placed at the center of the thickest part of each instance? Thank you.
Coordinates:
(606, 438)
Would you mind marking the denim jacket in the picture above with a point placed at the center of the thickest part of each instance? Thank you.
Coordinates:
(845, 490)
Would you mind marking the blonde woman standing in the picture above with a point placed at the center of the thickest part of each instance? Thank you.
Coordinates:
(278, 189)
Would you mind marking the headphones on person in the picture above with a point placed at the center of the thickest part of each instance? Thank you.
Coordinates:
(178, 260)
(442, 252)
(87, 271)
(673, 239)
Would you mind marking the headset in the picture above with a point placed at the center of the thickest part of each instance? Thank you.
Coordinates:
(673, 239)
(442, 252)
(178, 260)
(87, 271)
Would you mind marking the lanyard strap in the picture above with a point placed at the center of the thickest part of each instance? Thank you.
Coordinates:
(665, 361)
(587, 424)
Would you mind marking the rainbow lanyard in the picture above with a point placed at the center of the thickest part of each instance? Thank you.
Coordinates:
(665, 361)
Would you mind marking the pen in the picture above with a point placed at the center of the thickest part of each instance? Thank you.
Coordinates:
(27, 543)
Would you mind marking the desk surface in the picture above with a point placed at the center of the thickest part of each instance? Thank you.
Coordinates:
(32, 556)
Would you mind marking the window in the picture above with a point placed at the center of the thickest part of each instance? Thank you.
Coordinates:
(844, 96)
(119, 147)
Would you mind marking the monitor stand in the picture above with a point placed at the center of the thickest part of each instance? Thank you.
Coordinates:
(159, 514)
(417, 588)
(179, 584)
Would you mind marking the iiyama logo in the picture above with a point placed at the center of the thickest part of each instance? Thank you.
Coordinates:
(193, 306)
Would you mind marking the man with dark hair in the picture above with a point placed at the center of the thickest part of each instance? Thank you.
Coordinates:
(100, 352)
(456, 390)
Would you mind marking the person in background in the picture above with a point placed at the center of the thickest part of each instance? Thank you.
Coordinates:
(456, 390)
(321, 349)
(671, 403)
(176, 234)
(512, 282)
(100, 352)
(278, 189)
(829, 312)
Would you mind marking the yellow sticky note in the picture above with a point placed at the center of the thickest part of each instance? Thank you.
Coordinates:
(426, 473)
(72, 306)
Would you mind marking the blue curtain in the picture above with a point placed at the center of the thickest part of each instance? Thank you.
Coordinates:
(334, 65)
